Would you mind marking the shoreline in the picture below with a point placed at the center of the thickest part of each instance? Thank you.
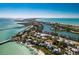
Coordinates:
(38, 20)
(31, 39)
(34, 51)
(74, 28)
(38, 51)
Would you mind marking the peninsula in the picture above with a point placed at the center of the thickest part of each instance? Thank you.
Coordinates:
(49, 42)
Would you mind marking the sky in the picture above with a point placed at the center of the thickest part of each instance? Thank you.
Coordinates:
(39, 10)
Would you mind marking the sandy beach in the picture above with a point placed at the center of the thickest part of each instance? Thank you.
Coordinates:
(37, 51)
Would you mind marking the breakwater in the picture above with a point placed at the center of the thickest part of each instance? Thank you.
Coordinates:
(11, 28)
(6, 41)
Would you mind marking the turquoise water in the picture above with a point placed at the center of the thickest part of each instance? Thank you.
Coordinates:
(5, 24)
(6, 34)
(71, 21)
(8, 23)
(11, 48)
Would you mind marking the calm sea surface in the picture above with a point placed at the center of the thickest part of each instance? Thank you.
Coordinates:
(11, 29)
(72, 21)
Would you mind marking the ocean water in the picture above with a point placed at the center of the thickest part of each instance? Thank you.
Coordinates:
(11, 48)
(8, 28)
(8, 23)
(7, 34)
(71, 21)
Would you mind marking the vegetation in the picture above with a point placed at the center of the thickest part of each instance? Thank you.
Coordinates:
(44, 49)
(42, 42)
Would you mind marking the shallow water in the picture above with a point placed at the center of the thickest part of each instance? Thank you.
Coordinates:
(13, 48)
(71, 21)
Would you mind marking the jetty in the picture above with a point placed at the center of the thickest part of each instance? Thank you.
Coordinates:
(11, 28)
(3, 42)
(10, 39)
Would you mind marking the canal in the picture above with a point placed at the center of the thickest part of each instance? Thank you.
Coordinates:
(72, 36)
